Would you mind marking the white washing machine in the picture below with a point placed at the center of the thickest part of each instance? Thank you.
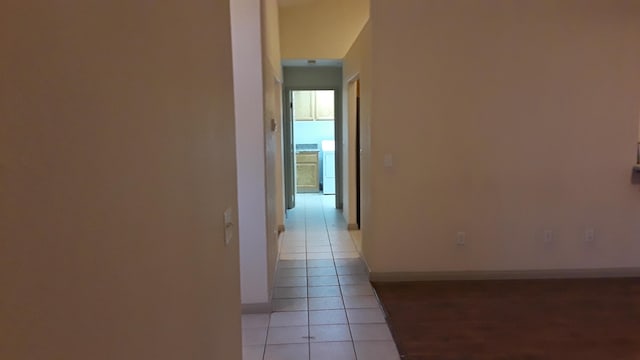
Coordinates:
(328, 167)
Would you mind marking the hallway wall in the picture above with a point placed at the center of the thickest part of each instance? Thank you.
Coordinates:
(117, 163)
(505, 120)
(257, 80)
(271, 83)
(250, 149)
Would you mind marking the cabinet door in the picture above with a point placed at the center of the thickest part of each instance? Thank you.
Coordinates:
(307, 177)
(324, 105)
(303, 105)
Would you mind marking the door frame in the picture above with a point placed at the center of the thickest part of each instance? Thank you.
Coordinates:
(288, 151)
(289, 147)
(353, 156)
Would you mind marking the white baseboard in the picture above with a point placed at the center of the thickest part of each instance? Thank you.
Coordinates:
(504, 274)
(256, 308)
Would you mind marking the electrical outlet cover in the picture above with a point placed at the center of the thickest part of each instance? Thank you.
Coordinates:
(589, 235)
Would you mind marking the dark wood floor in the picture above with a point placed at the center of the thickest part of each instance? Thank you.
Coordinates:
(585, 319)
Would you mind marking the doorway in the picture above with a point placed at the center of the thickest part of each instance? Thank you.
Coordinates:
(358, 149)
(313, 128)
(314, 87)
(353, 147)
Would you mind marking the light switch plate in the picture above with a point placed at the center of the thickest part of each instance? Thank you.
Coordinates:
(228, 226)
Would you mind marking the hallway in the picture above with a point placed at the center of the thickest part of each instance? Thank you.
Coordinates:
(323, 305)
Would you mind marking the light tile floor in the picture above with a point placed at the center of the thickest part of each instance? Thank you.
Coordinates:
(324, 307)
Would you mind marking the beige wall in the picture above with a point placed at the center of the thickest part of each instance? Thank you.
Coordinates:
(356, 66)
(323, 29)
(272, 78)
(271, 35)
(116, 149)
(505, 119)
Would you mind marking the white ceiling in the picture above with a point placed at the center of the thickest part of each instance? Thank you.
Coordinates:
(285, 3)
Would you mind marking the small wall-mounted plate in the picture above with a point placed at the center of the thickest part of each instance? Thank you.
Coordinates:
(228, 226)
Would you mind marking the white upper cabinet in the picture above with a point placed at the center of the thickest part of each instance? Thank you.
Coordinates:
(313, 105)
(324, 105)
(303, 105)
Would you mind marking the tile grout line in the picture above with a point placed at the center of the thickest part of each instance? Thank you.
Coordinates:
(306, 272)
(335, 266)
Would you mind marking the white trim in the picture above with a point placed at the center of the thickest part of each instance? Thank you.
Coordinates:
(256, 308)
